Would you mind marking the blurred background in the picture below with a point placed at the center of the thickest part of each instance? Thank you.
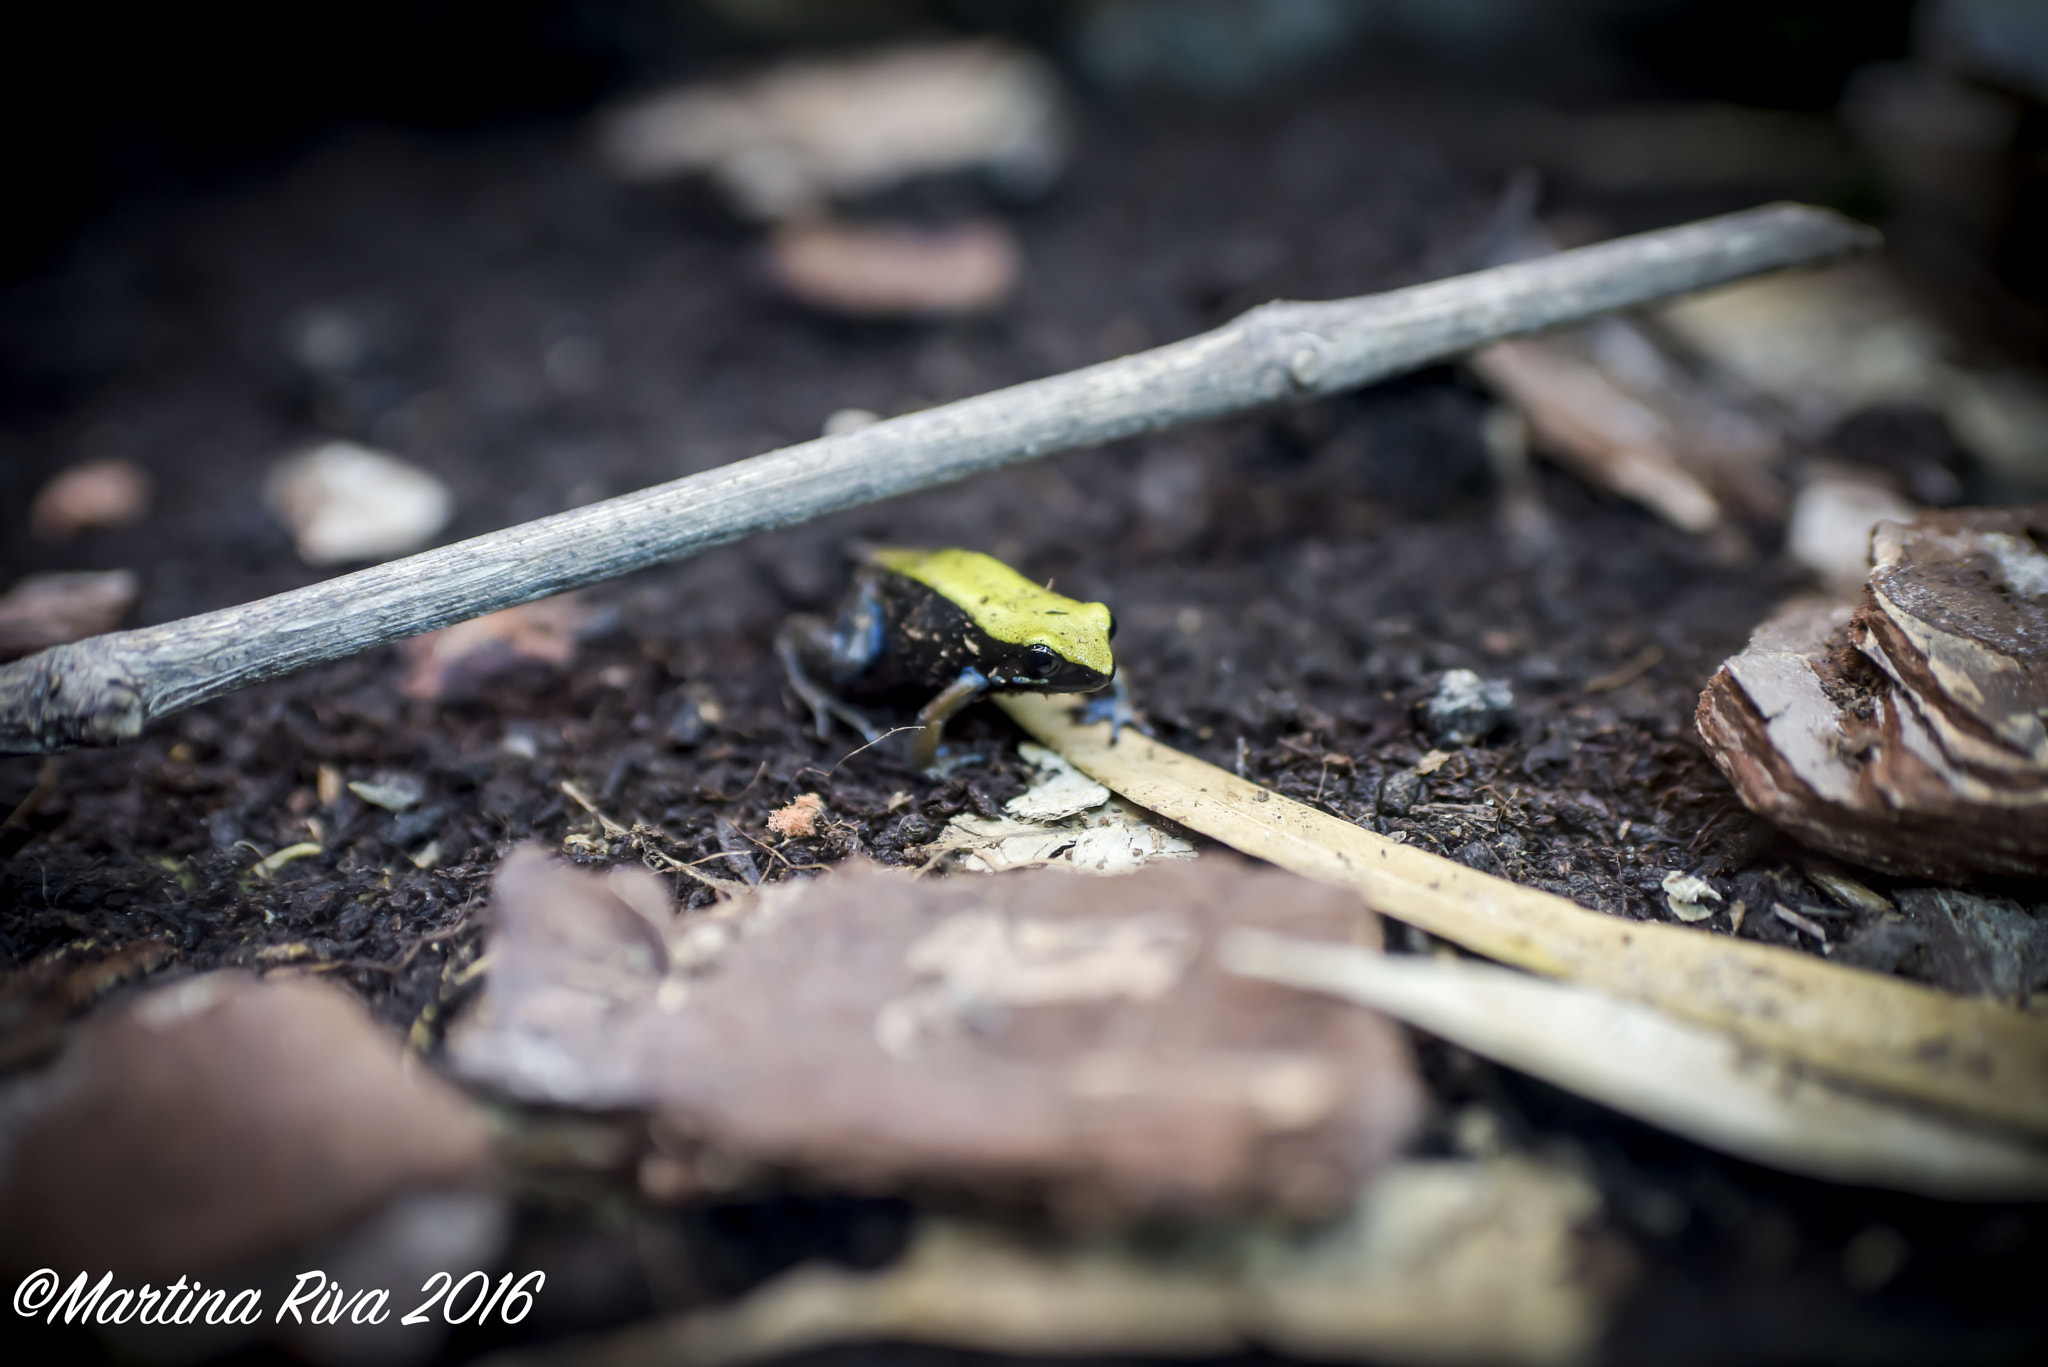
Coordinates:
(235, 230)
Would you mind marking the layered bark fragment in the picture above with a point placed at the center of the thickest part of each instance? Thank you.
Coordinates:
(1910, 733)
(1036, 1032)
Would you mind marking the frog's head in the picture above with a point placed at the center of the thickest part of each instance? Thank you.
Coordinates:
(1044, 641)
(1067, 652)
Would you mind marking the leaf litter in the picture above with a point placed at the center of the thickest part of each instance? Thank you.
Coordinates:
(1026, 1033)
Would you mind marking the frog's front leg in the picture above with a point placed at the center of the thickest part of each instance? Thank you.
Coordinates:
(971, 684)
(1113, 705)
(807, 639)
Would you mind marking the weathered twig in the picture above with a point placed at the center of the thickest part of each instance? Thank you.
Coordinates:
(104, 690)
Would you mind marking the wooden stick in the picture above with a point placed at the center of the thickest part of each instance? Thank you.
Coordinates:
(1964, 1055)
(105, 690)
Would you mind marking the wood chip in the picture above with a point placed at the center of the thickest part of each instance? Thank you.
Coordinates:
(96, 495)
(44, 610)
(887, 270)
(1068, 1038)
(453, 663)
(1909, 735)
(1597, 429)
(1798, 922)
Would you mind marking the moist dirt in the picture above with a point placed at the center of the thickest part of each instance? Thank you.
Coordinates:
(1288, 589)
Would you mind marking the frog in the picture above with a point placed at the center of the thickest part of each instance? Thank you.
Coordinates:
(949, 626)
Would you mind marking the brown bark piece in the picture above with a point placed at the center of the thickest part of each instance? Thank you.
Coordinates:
(219, 1120)
(893, 270)
(44, 610)
(1070, 1037)
(1581, 415)
(451, 664)
(1906, 735)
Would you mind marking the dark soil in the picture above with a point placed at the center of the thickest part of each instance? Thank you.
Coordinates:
(1287, 589)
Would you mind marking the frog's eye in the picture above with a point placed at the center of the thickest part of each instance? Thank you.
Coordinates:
(1039, 661)
(1112, 626)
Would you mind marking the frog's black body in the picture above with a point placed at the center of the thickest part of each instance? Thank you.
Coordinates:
(898, 639)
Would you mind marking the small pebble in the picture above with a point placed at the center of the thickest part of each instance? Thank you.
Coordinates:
(344, 502)
(846, 420)
(1399, 792)
(1465, 708)
(94, 496)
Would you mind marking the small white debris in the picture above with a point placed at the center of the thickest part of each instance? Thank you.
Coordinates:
(392, 792)
(1112, 839)
(427, 856)
(1065, 820)
(1832, 518)
(1687, 895)
(846, 420)
(344, 502)
(1061, 790)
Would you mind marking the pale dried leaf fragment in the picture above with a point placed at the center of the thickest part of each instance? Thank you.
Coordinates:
(95, 495)
(889, 270)
(393, 792)
(1059, 791)
(1823, 343)
(1687, 896)
(343, 503)
(1063, 820)
(1110, 839)
(44, 610)
(1693, 1081)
